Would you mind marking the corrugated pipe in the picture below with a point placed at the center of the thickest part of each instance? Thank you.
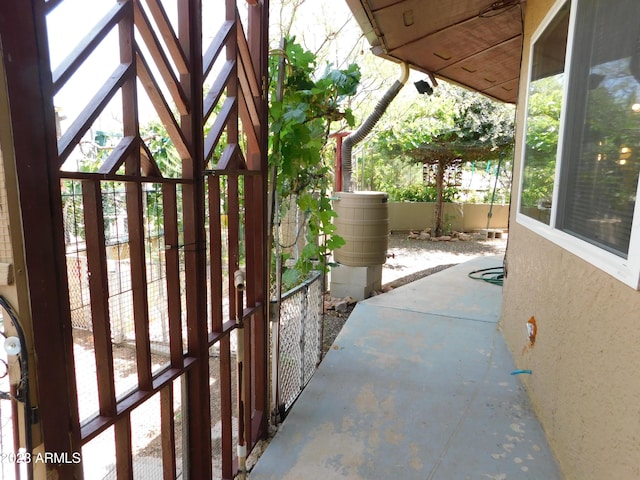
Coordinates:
(367, 126)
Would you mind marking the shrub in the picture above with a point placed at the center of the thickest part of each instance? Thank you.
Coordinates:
(420, 193)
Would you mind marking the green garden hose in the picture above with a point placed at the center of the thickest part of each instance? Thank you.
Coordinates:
(493, 275)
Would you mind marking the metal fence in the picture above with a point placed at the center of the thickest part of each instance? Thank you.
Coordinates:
(299, 339)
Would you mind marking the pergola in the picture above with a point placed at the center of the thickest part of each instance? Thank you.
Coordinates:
(445, 154)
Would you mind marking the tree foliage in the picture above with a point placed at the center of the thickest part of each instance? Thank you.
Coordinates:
(451, 114)
(303, 106)
(446, 129)
(543, 126)
(420, 192)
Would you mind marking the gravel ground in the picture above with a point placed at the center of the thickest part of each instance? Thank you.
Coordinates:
(411, 258)
(414, 259)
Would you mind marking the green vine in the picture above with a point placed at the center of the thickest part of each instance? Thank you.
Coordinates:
(303, 107)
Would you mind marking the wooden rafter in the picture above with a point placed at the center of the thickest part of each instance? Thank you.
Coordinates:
(215, 47)
(160, 59)
(76, 131)
(217, 88)
(166, 31)
(118, 155)
(82, 51)
(218, 127)
(162, 107)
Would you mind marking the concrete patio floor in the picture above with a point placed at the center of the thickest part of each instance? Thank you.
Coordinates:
(418, 385)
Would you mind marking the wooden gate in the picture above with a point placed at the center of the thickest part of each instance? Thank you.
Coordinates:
(133, 230)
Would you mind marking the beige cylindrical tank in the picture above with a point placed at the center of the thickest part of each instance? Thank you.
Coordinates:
(363, 222)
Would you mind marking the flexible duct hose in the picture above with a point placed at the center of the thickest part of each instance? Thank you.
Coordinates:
(367, 126)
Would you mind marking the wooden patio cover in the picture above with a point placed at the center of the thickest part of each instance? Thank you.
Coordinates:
(474, 43)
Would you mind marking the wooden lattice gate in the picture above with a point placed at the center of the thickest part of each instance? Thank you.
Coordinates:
(132, 234)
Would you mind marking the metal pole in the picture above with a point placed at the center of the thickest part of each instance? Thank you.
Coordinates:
(239, 281)
(495, 186)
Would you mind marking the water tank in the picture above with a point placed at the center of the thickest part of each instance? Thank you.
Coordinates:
(363, 222)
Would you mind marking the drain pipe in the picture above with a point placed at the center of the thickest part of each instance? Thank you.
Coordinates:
(367, 126)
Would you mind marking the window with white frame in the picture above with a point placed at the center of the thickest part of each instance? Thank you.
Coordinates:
(581, 157)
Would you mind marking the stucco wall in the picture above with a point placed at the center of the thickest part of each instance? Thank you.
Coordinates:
(462, 217)
(585, 360)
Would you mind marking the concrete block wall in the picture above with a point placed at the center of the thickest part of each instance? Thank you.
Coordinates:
(356, 282)
(465, 217)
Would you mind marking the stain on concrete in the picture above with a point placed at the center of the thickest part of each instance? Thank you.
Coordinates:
(329, 454)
